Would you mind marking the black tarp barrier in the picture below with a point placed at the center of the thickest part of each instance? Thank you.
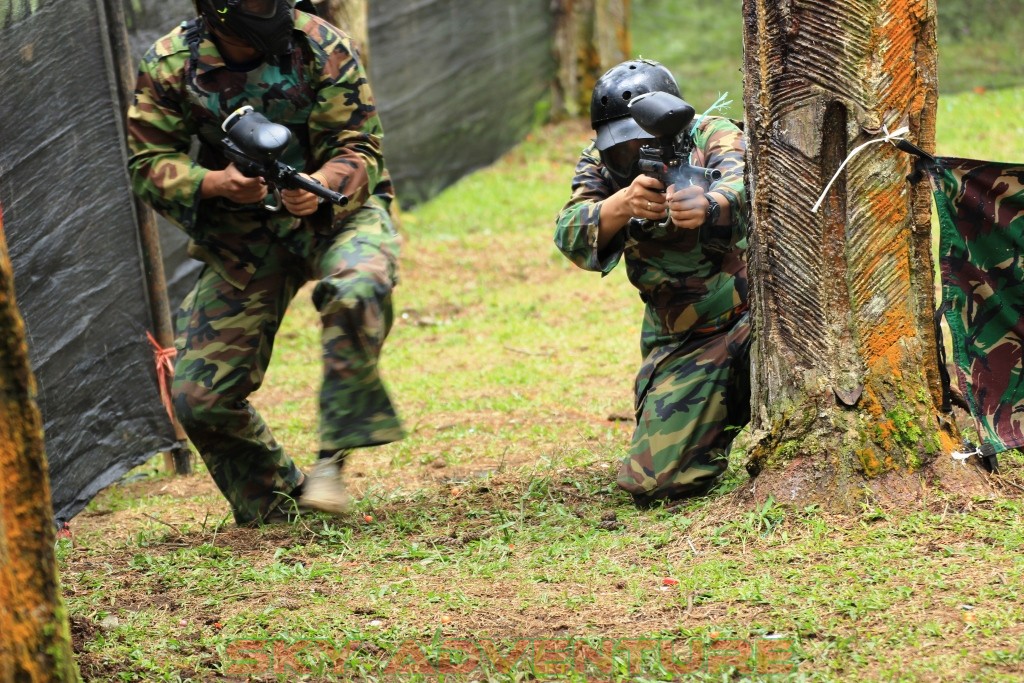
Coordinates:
(458, 83)
(71, 230)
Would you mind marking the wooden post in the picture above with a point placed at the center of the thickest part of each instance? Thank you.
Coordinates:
(35, 637)
(178, 460)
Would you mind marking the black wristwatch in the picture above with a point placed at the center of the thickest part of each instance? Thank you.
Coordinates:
(713, 212)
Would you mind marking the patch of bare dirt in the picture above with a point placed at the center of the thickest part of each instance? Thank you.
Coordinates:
(803, 481)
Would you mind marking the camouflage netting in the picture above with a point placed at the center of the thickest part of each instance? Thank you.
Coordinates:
(980, 205)
(458, 82)
(70, 227)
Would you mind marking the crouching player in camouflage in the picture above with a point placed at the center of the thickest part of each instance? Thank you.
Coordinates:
(684, 249)
(303, 73)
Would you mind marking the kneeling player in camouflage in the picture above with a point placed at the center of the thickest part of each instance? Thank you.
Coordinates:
(684, 248)
(300, 72)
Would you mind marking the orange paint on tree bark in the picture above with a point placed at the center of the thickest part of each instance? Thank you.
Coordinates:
(840, 293)
(35, 641)
(869, 462)
(881, 343)
(888, 215)
(870, 404)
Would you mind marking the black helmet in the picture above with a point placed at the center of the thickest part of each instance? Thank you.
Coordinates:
(609, 105)
(264, 24)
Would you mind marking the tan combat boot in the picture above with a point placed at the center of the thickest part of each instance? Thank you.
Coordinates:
(323, 489)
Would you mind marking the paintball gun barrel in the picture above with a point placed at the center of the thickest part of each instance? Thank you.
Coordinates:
(665, 116)
(254, 144)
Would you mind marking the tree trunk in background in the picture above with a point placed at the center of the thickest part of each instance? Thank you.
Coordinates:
(35, 638)
(591, 36)
(352, 17)
(845, 386)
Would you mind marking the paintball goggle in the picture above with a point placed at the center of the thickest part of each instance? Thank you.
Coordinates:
(266, 25)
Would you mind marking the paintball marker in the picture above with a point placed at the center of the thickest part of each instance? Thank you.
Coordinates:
(254, 144)
(665, 116)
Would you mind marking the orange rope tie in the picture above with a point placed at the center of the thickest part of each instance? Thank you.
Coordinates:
(164, 372)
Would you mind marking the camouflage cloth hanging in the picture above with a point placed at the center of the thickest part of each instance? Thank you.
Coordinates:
(981, 251)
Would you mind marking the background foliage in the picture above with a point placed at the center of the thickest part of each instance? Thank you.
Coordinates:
(702, 42)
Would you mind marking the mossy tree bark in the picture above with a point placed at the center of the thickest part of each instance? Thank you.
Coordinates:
(845, 388)
(591, 36)
(35, 639)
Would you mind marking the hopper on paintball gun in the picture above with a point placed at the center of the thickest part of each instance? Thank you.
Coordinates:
(665, 116)
(254, 144)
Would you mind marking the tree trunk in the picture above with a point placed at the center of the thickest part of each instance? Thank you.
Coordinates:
(845, 386)
(591, 36)
(35, 638)
(352, 17)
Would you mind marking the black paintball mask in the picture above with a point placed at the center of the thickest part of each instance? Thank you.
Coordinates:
(266, 25)
(619, 137)
(623, 159)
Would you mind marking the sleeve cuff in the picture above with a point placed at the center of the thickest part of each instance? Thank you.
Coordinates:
(606, 259)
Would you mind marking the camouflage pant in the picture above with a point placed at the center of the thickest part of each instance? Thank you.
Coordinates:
(691, 400)
(224, 341)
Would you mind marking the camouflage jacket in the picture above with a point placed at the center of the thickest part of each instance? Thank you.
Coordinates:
(323, 97)
(691, 280)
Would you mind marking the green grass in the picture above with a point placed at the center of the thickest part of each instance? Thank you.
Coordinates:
(497, 520)
(985, 125)
(979, 45)
(934, 594)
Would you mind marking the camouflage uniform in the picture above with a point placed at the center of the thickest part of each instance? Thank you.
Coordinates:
(692, 392)
(256, 261)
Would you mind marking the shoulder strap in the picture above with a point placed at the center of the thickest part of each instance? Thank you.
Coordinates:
(193, 36)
